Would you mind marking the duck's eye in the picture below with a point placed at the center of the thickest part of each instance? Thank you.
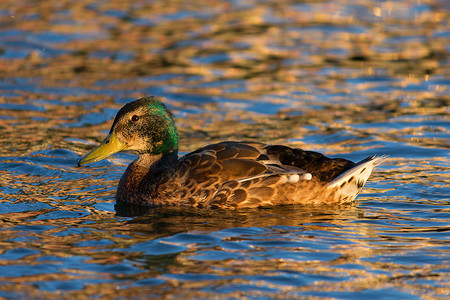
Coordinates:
(134, 118)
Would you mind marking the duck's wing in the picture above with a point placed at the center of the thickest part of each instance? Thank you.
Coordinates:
(230, 174)
(222, 162)
(246, 160)
(318, 165)
(239, 174)
(201, 174)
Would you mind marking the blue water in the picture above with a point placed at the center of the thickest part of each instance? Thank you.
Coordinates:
(348, 80)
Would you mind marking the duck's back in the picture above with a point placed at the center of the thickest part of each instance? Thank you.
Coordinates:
(246, 174)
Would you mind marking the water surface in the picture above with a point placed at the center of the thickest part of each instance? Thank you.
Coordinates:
(340, 77)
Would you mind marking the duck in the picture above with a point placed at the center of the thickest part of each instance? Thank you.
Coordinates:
(224, 175)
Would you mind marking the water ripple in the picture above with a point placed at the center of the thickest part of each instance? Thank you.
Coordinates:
(349, 80)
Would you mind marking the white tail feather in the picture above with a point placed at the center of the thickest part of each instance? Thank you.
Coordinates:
(351, 182)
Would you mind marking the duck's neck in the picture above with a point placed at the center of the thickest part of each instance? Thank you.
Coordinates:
(142, 177)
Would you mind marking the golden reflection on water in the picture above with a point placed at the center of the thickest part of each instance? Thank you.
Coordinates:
(336, 77)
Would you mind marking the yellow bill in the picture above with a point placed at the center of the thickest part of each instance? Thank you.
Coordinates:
(108, 147)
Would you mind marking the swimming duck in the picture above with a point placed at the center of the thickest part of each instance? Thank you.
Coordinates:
(224, 175)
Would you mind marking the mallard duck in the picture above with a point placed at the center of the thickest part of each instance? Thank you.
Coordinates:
(224, 175)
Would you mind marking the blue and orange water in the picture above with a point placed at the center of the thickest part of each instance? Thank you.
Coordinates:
(344, 78)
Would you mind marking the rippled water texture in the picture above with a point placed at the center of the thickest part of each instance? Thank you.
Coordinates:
(347, 78)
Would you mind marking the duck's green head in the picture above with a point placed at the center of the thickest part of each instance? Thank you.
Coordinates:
(144, 125)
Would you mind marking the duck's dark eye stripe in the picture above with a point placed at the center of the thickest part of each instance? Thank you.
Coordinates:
(134, 118)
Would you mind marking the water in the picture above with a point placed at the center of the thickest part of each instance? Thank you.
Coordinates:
(340, 77)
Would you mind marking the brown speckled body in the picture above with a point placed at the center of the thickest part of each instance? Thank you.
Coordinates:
(231, 175)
